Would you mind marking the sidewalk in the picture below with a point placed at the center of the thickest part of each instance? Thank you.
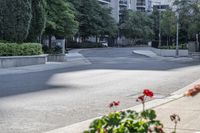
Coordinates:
(188, 108)
(72, 59)
(151, 54)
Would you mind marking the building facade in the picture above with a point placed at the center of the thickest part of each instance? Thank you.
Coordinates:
(118, 6)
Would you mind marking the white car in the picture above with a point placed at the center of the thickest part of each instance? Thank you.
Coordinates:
(104, 44)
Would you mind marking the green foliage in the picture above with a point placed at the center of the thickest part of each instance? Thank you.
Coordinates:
(72, 44)
(54, 50)
(38, 20)
(168, 23)
(60, 19)
(127, 122)
(94, 19)
(189, 12)
(14, 49)
(137, 25)
(181, 46)
(156, 23)
(15, 18)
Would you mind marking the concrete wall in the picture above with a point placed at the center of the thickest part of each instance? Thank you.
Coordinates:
(170, 52)
(196, 56)
(17, 61)
(56, 58)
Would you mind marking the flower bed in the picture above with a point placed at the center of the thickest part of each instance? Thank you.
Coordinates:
(130, 121)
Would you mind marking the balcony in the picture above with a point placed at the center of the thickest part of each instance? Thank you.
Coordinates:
(104, 1)
(123, 3)
(140, 3)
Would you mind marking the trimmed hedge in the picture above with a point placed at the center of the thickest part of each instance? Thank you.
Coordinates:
(181, 46)
(24, 49)
(72, 44)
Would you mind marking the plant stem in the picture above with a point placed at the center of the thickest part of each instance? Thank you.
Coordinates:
(175, 127)
(143, 106)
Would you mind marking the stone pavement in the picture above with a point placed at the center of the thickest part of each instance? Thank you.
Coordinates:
(188, 108)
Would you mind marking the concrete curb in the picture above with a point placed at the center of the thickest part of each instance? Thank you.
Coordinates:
(81, 126)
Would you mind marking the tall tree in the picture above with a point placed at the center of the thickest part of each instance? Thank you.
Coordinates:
(168, 24)
(137, 25)
(185, 16)
(155, 16)
(38, 20)
(94, 19)
(15, 19)
(60, 19)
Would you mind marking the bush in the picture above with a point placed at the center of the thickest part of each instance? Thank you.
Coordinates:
(53, 50)
(72, 44)
(14, 49)
(127, 122)
(181, 46)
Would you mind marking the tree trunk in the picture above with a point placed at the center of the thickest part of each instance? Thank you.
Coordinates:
(167, 41)
(50, 41)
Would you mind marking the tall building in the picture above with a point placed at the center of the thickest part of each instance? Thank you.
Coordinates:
(118, 6)
(161, 4)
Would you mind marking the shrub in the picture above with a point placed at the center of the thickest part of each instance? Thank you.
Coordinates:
(127, 122)
(14, 49)
(181, 46)
(72, 44)
(53, 50)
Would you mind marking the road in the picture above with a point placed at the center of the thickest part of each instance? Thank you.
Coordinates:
(41, 101)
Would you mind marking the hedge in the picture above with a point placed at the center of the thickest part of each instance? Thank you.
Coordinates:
(72, 44)
(24, 49)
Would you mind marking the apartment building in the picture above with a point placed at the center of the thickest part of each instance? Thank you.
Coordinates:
(118, 6)
(161, 4)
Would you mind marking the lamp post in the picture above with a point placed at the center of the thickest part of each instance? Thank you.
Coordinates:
(177, 34)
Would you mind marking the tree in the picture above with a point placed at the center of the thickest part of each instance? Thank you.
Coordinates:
(94, 20)
(38, 20)
(60, 19)
(168, 24)
(184, 8)
(137, 25)
(15, 19)
(194, 27)
(108, 25)
(155, 16)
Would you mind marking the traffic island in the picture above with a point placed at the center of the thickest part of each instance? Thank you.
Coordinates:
(17, 61)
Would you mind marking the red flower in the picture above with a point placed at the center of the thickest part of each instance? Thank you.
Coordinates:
(140, 98)
(111, 105)
(114, 103)
(148, 93)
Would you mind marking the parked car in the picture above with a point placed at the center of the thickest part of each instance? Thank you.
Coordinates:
(104, 43)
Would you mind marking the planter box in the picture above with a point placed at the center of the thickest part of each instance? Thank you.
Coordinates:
(170, 52)
(56, 58)
(17, 61)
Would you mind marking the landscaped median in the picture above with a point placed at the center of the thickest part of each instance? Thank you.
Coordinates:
(15, 55)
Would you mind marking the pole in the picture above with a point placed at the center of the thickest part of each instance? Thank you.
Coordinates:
(177, 36)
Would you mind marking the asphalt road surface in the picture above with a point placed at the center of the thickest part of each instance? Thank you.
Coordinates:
(41, 101)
